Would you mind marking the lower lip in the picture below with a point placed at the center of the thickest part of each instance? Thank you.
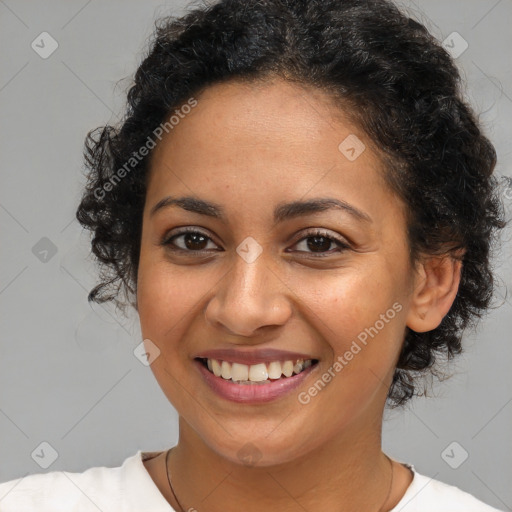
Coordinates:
(252, 393)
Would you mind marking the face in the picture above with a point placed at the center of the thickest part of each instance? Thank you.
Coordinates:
(332, 284)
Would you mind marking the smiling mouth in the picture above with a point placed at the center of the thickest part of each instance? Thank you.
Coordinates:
(261, 373)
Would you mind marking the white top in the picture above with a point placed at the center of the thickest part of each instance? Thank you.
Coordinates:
(130, 488)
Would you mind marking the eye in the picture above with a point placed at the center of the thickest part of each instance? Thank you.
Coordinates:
(319, 242)
(188, 240)
(316, 242)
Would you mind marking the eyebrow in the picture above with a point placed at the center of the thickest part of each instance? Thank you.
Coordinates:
(282, 212)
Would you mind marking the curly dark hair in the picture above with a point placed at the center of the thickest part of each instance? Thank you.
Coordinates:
(392, 77)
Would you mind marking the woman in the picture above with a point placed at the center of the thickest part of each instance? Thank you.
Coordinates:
(300, 207)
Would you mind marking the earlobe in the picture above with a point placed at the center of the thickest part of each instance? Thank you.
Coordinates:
(437, 283)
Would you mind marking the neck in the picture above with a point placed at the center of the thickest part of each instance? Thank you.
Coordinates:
(349, 469)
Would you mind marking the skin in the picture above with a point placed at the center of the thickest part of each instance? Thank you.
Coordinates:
(248, 148)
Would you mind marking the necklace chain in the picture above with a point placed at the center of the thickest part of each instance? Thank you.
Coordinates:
(183, 510)
(169, 480)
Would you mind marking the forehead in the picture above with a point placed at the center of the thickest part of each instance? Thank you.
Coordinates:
(257, 143)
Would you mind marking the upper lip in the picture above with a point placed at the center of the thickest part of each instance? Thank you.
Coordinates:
(250, 357)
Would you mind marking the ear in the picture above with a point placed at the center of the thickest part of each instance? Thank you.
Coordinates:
(436, 284)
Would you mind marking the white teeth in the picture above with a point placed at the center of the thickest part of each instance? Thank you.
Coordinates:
(217, 370)
(260, 373)
(239, 371)
(287, 368)
(274, 370)
(299, 366)
(226, 370)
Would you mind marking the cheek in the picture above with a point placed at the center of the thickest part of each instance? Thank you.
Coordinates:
(167, 297)
(361, 319)
(351, 303)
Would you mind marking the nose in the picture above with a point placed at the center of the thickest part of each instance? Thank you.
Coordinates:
(249, 297)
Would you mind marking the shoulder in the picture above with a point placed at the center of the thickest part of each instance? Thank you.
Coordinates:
(426, 494)
(97, 488)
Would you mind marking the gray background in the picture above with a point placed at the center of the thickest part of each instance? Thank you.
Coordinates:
(68, 375)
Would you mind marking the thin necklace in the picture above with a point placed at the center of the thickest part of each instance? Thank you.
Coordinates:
(169, 480)
(381, 509)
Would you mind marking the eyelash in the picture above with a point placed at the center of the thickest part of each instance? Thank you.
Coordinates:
(342, 246)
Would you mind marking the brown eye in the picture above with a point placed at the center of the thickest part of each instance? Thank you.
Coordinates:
(195, 241)
(320, 243)
(189, 241)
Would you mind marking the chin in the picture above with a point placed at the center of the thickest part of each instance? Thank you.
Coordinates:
(259, 452)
